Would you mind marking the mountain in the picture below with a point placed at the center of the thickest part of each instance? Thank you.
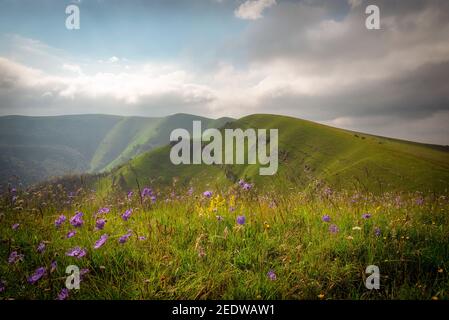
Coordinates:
(308, 152)
(33, 149)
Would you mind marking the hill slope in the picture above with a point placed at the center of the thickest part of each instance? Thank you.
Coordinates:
(308, 152)
(36, 148)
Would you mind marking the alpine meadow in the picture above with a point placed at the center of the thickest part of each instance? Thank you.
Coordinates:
(215, 158)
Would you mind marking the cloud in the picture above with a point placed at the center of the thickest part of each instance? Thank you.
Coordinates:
(253, 9)
(309, 59)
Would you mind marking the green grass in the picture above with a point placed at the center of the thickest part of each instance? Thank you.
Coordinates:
(308, 152)
(189, 254)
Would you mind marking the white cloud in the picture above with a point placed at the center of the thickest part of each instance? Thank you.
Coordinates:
(113, 59)
(253, 9)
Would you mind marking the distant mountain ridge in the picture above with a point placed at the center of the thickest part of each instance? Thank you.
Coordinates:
(33, 149)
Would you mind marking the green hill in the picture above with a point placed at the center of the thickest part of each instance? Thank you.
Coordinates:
(308, 152)
(33, 149)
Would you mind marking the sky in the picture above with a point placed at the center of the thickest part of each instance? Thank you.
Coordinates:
(311, 59)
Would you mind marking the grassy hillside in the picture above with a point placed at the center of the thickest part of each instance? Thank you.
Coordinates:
(33, 149)
(308, 152)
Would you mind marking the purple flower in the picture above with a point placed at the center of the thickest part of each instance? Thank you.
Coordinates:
(38, 274)
(142, 238)
(76, 252)
(190, 191)
(333, 228)
(326, 218)
(127, 214)
(420, 201)
(130, 195)
(71, 234)
(366, 216)
(63, 295)
(99, 224)
(15, 226)
(77, 220)
(103, 210)
(53, 266)
(146, 192)
(153, 199)
(83, 272)
(41, 247)
(60, 220)
(377, 232)
(271, 275)
(2, 286)
(125, 237)
(241, 182)
(14, 257)
(207, 194)
(100, 242)
(241, 220)
(247, 186)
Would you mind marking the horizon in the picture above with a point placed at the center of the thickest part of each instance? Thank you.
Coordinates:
(223, 117)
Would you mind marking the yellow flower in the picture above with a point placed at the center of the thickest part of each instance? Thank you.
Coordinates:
(350, 238)
(321, 296)
(440, 270)
(266, 225)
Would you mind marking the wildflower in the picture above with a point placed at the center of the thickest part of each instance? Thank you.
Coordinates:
(100, 242)
(146, 192)
(130, 195)
(2, 286)
(326, 218)
(14, 257)
(247, 186)
(41, 247)
(321, 296)
(241, 182)
(104, 210)
(127, 214)
(266, 225)
(71, 234)
(350, 238)
(153, 199)
(356, 228)
(220, 218)
(142, 238)
(15, 226)
(76, 252)
(190, 191)
(440, 270)
(328, 191)
(77, 220)
(333, 229)
(241, 220)
(63, 295)
(83, 272)
(38, 274)
(366, 216)
(53, 266)
(419, 201)
(207, 194)
(124, 238)
(377, 232)
(99, 224)
(60, 220)
(271, 275)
